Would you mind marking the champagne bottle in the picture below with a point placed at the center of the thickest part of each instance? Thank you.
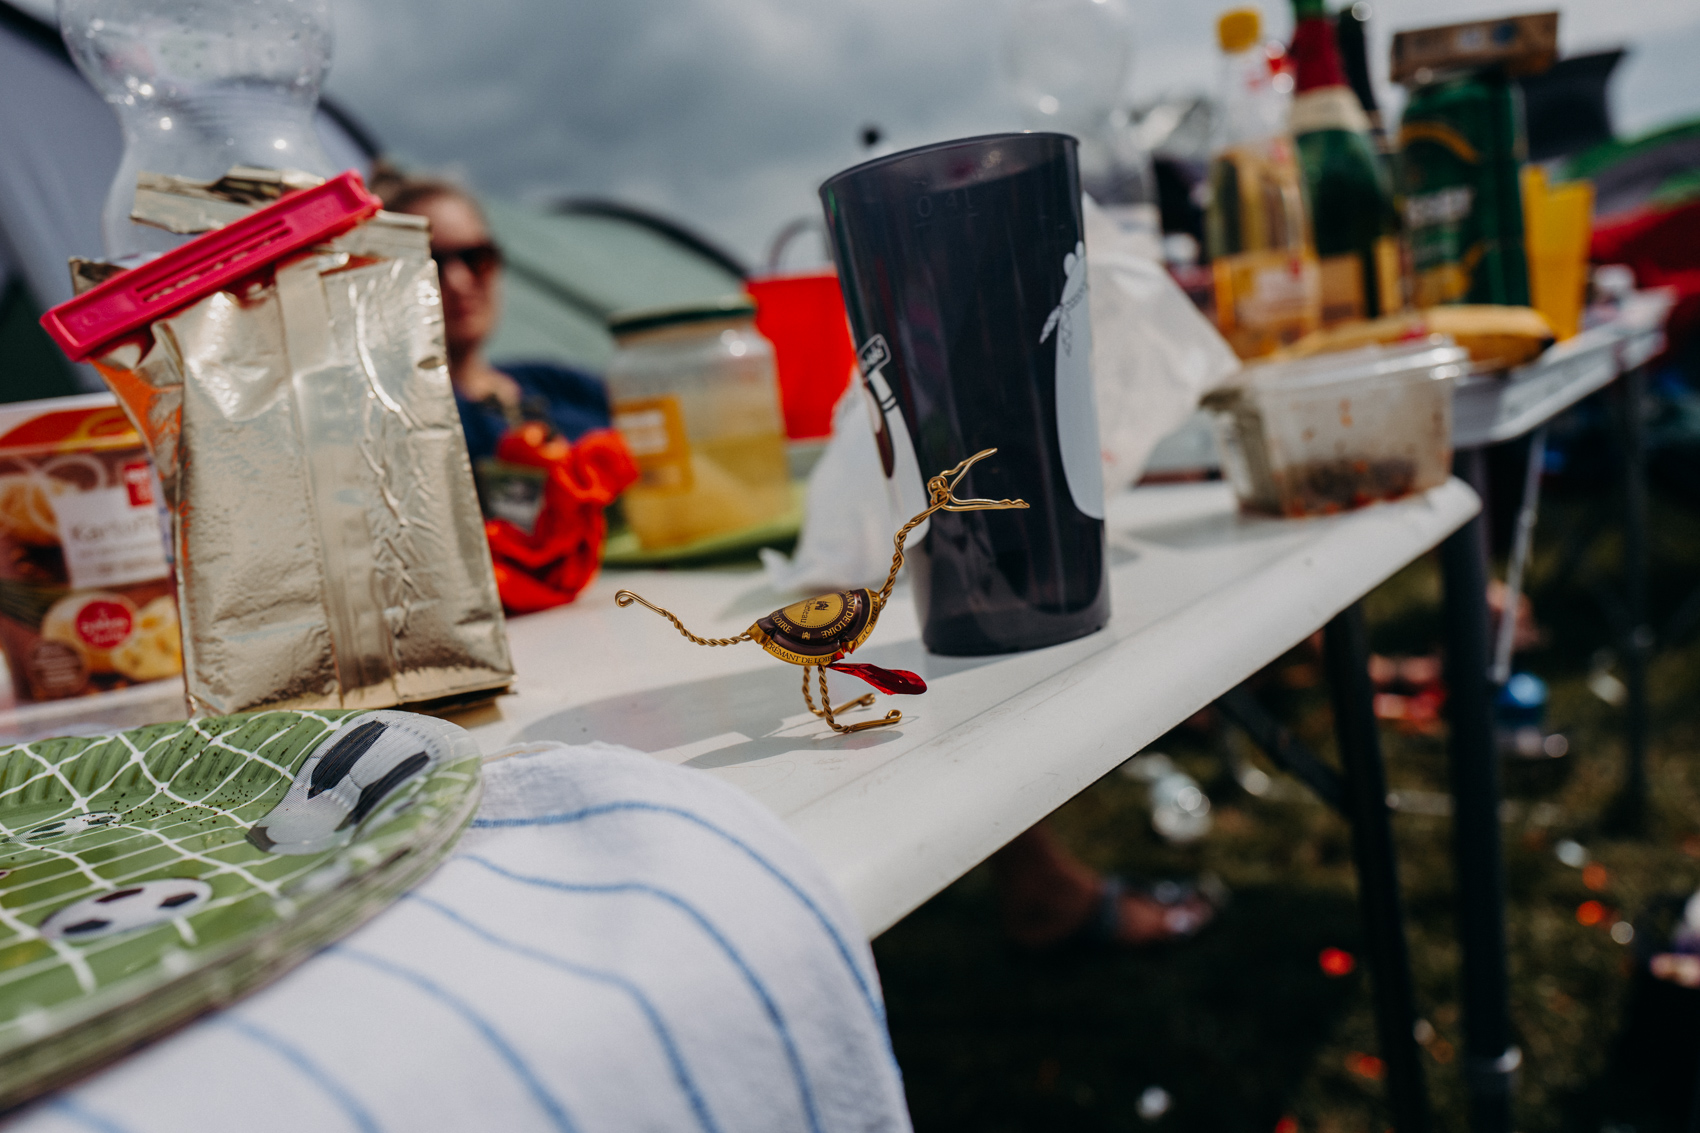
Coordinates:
(1351, 33)
(1257, 229)
(1353, 219)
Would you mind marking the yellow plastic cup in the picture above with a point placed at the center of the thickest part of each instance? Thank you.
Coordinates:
(1558, 225)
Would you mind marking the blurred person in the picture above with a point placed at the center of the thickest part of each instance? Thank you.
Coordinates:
(1048, 898)
(492, 399)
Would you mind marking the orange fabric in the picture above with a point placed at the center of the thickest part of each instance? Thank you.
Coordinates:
(558, 559)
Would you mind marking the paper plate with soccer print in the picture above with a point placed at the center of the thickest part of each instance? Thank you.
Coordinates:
(150, 875)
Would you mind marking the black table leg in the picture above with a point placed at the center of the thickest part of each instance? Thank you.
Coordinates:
(1629, 811)
(1346, 655)
(1490, 1060)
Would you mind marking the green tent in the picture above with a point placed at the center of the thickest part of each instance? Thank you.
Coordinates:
(570, 268)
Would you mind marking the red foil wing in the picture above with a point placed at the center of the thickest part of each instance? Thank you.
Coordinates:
(896, 682)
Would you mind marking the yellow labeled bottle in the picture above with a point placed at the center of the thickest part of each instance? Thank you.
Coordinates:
(1268, 283)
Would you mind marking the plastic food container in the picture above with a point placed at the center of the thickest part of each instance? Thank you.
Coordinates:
(695, 396)
(1338, 431)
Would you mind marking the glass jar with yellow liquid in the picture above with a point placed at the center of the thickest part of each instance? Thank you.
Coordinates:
(695, 396)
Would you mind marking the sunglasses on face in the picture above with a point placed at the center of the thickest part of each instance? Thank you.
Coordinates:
(480, 259)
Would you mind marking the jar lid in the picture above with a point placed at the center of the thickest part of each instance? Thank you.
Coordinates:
(738, 306)
(1431, 358)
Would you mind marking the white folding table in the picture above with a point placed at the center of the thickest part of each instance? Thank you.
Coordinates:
(1490, 409)
(1202, 598)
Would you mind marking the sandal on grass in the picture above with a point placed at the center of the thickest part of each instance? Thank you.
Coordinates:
(1186, 908)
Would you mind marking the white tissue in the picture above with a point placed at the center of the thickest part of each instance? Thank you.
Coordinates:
(1154, 354)
(849, 524)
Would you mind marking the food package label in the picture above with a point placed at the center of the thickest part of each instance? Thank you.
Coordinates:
(110, 536)
(654, 431)
(1266, 300)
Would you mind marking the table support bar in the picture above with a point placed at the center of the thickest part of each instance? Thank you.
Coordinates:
(1522, 545)
(1284, 749)
(1478, 856)
(1628, 813)
(1346, 655)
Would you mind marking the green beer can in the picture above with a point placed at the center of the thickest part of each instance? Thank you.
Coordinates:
(1461, 148)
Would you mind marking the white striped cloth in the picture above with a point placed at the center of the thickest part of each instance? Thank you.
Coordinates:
(616, 944)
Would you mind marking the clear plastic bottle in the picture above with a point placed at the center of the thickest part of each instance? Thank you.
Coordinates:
(696, 397)
(1068, 63)
(1068, 60)
(200, 86)
(1180, 810)
(1267, 281)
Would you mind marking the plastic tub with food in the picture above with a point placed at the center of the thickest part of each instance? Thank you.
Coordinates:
(1337, 431)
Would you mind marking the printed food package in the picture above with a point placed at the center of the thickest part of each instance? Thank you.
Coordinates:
(86, 596)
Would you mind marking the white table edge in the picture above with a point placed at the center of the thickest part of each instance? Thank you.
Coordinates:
(1135, 679)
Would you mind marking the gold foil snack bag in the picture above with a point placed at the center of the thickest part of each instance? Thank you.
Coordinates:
(330, 548)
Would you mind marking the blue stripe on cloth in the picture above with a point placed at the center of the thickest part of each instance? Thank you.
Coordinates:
(873, 1000)
(74, 1110)
(792, 1055)
(312, 1071)
(663, 1034)
(522, 1070)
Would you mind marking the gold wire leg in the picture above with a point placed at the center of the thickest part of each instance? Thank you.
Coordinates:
(866, 700)
(625, 598)
(891, 717)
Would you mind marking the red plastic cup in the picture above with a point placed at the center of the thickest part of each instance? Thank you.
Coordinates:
(803, 316)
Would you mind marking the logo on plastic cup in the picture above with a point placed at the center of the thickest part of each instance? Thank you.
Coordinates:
(1077, 410)
(897, 451)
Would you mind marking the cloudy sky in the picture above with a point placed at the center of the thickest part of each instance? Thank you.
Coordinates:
(728, 113)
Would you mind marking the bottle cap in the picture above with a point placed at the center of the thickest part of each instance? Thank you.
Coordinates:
(1239, 29)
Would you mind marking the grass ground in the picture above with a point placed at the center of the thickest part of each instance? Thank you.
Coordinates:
(1241, 1027)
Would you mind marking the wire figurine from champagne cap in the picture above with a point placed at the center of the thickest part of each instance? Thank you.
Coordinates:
(818, 633)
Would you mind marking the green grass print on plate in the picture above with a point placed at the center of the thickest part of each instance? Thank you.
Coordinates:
(148, 876)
